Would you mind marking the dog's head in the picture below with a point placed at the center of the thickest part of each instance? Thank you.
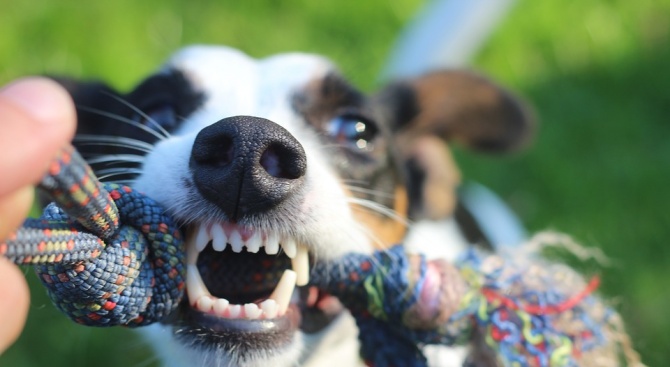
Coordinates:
(270, 165)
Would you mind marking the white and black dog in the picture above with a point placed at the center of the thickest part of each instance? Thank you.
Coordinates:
(273, 164)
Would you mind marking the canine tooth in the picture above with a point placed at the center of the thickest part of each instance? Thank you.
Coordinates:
(289, 246)
(201, 238)
(220, 306)
(234, 311)
(218, 238)
(272, 244)
(300, 264)
(254, 242)
(236, 241)
(194, 286)
(269, 307)
(205, 304)
(284, 290)
(251, 311)
(191, 249)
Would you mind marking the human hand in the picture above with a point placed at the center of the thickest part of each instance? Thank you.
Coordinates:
(37, 117)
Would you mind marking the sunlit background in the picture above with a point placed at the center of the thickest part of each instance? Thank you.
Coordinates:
(597, 72)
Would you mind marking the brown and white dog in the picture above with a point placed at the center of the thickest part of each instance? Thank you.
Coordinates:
(272, 164)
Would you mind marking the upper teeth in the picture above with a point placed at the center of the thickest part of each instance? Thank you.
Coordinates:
(226, 234)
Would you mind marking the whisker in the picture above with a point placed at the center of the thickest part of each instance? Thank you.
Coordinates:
(111, 172)
(120, 170)
(379, 208)
(140, 112)
(122, 119)
(121, 158)
(114, 141)
(351, 181)
(369, 191)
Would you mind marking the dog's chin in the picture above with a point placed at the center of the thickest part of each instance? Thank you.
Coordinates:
(240, 341)
(242, 305)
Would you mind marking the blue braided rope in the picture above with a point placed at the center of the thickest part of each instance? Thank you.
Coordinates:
(136, 279)
(107, 254)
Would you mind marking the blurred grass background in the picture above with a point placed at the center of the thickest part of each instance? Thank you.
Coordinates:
(596, 71)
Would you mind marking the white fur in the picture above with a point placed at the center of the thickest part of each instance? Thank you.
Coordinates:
(436, 239)
(235, 84)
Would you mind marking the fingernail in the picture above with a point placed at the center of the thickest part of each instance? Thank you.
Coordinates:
(41, 98)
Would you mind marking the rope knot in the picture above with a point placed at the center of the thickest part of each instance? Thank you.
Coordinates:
(124, 280)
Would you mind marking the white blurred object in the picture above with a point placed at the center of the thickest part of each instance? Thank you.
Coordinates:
(495, 219)
(445, 34)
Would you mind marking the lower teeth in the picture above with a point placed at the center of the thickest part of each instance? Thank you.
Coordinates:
(275, 306)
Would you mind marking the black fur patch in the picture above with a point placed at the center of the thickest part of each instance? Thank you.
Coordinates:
(104, 115)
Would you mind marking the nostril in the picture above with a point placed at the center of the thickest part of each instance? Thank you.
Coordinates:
(218, 154)
(280, 161)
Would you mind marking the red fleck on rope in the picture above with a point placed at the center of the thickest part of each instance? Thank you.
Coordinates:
(493, 296)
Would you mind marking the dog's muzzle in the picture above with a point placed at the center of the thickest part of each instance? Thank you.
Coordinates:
(242, 276)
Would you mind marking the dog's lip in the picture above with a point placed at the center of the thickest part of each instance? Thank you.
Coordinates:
(241, 335)
(222, 325)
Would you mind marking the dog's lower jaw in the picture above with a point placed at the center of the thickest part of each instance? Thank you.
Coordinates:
(174, 353)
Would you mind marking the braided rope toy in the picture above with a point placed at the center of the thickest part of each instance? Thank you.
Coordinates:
(110, 256)
(106, 254)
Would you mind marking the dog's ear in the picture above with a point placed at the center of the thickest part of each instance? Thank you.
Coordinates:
(462, 107)
(444, 107)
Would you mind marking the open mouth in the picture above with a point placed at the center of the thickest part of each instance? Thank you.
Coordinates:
(239, 273)
(241, 287)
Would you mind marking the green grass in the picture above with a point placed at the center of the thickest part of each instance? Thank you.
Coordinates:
(596, 72)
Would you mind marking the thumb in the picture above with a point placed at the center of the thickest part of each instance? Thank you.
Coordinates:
(37, 117)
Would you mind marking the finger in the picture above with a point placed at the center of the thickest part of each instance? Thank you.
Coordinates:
(14, 209)
(37, 117)
(14, 300)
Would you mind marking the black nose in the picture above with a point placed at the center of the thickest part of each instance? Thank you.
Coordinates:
(246, 165)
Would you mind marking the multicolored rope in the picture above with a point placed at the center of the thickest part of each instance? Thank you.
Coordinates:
(106, 254)
(529, 312)
(109, 255)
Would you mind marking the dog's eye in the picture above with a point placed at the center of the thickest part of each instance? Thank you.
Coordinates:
(353, 130)
(162, 114)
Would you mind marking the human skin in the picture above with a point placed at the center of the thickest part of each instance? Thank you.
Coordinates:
(37, 118)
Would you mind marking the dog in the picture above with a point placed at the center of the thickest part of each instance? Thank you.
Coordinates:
(274, 164)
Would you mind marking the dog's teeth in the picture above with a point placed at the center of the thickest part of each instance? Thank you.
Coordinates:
(289, 246)
(269, 307)
(300, 264)
(218, 238)
(284, 290)
(272, 244)
(235, 241)
(194, 286)
(254, 242)
(220, 306)
(205, 304)
(234, 311)
(201, 238)
(251, 311)
(191, 249)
